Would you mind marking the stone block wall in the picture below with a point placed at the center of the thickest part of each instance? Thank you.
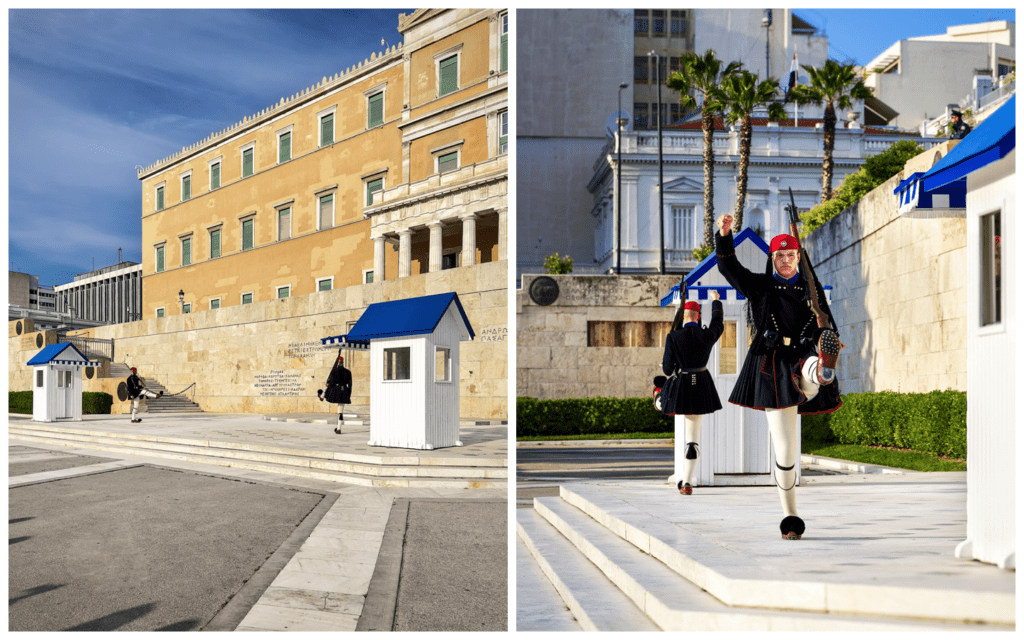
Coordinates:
(552, 356)
(899, 291)
(266, 357)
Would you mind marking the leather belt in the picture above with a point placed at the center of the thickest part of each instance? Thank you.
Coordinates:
(692, 370)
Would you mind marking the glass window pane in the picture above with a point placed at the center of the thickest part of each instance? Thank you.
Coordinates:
(327, 212)
(284, 224)
(991, 269)
(442, 364)
(396, 363)
(448, 162)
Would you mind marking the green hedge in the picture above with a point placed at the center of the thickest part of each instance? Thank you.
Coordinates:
(577, 416)
(93, 402)
(934, 422)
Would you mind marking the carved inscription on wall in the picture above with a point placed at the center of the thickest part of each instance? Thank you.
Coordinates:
(494, 334)
(304, 349)
(278, 383)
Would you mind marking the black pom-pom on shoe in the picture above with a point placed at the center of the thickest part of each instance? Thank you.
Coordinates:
(792, 528)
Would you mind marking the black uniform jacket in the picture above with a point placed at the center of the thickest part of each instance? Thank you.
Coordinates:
(768, 376)
(134, 386)
(339, 385)
(689, 348)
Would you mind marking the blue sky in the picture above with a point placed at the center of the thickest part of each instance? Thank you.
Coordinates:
(93, 93)
(862, 34)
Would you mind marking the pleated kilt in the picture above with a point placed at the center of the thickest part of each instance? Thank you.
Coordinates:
(690, 394)
(769, 381)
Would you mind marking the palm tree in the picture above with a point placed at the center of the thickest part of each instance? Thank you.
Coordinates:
(837, 86)
(703, 74)
(740, 93)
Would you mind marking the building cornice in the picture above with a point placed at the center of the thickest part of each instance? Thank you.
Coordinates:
(436, 194)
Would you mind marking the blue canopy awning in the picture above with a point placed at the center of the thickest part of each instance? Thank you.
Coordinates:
(993, 139)
(344, 342)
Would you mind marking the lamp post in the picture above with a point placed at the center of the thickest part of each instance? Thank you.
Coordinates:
(618, 186)
(661, 174)
(181, 300)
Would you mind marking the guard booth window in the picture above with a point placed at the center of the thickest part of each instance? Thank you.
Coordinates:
(442, 364)
(396, 363)
(991, 263)
(39, 379)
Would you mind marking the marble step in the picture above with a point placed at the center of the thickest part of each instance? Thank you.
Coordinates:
(538, 605)
(596, 603)
(369, 467)
(676, 604)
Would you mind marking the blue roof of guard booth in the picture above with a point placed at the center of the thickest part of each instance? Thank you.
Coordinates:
(50, 352)
(409, 317)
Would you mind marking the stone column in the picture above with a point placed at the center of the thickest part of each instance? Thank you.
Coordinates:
(503, 234)
(435, 246)
(378, 258)
(469, 239)
(404, 253)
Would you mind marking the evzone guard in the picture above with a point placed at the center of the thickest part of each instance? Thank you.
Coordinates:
(790, 365)
(689, 389)
(136, 391)
(339, 389)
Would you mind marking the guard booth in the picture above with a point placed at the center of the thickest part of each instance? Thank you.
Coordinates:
(57, 383)
(735, 446)
(414, 369)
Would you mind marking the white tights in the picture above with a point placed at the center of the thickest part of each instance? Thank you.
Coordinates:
(782, 426)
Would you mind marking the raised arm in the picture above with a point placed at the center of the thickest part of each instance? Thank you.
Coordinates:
(741, 278)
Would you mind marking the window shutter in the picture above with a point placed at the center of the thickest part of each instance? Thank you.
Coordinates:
(215, 176)
(186, 188)
(285, 148)
(247, 235)
(159, 313)
(186, 252)
(449, 75)
(325, 285)
(284, 224)
(247, 298)
(283, 292)
(160, 199)
(327, 212)
(376, 110)
(247, 163)
(372, 187)
(327, 130)
(504, 42)
(215, 304)
(215, 244)
(160, 259)
(448, 162)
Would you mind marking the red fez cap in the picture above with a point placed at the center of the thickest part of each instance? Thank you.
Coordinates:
(134, 369)
(784, 241)
(692, 306)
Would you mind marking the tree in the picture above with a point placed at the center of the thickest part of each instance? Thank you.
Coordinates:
(703, 74)
(837, 86)
(555, 264)
(740, 94)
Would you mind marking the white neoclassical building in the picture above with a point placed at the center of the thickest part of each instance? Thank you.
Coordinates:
(782, 157)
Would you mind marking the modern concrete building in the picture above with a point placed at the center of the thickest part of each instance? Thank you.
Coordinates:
(24, 290)
(393, 167)
(571, 65)
(919, 77)
(108, 296)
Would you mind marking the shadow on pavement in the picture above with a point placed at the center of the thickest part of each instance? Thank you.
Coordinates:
(34, 591)
(116, 620)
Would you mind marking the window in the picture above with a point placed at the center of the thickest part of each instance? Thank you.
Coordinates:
(640, 116)
(215, 303)
(284, 292)
(60, 380)
(448, 162)
(727, 353)
(991, 269)
(186, 187)
(1003, 69)
(246, 298)
(186, 252)
(449, 261)
(504, 42)
(247, 160)
(327, 129)
(215, 175)
(640, 22)
(678, 23)
(215, 243)
(375, 110)
(327, 211)
(396, 363)
(368, 276)
(442, 364)
(659, 22)
(448, 75)
(160, 198)
(675, 114)
(325, 285)
(372, 187)
(39, 379)
(626, 333)
(247, 233)
(639, 69)
(503, 132)
(186, 308)
(159, 259)
(682, 228)
(160, 312)
(284, 147)
(284, 223)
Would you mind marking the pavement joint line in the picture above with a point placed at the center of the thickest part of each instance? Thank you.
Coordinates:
(65, 474)
(378, 612)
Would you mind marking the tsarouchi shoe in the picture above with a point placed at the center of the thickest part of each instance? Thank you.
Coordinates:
(792, 528)
(684, 488)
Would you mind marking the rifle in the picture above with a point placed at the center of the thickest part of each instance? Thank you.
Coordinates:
(805, 266)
